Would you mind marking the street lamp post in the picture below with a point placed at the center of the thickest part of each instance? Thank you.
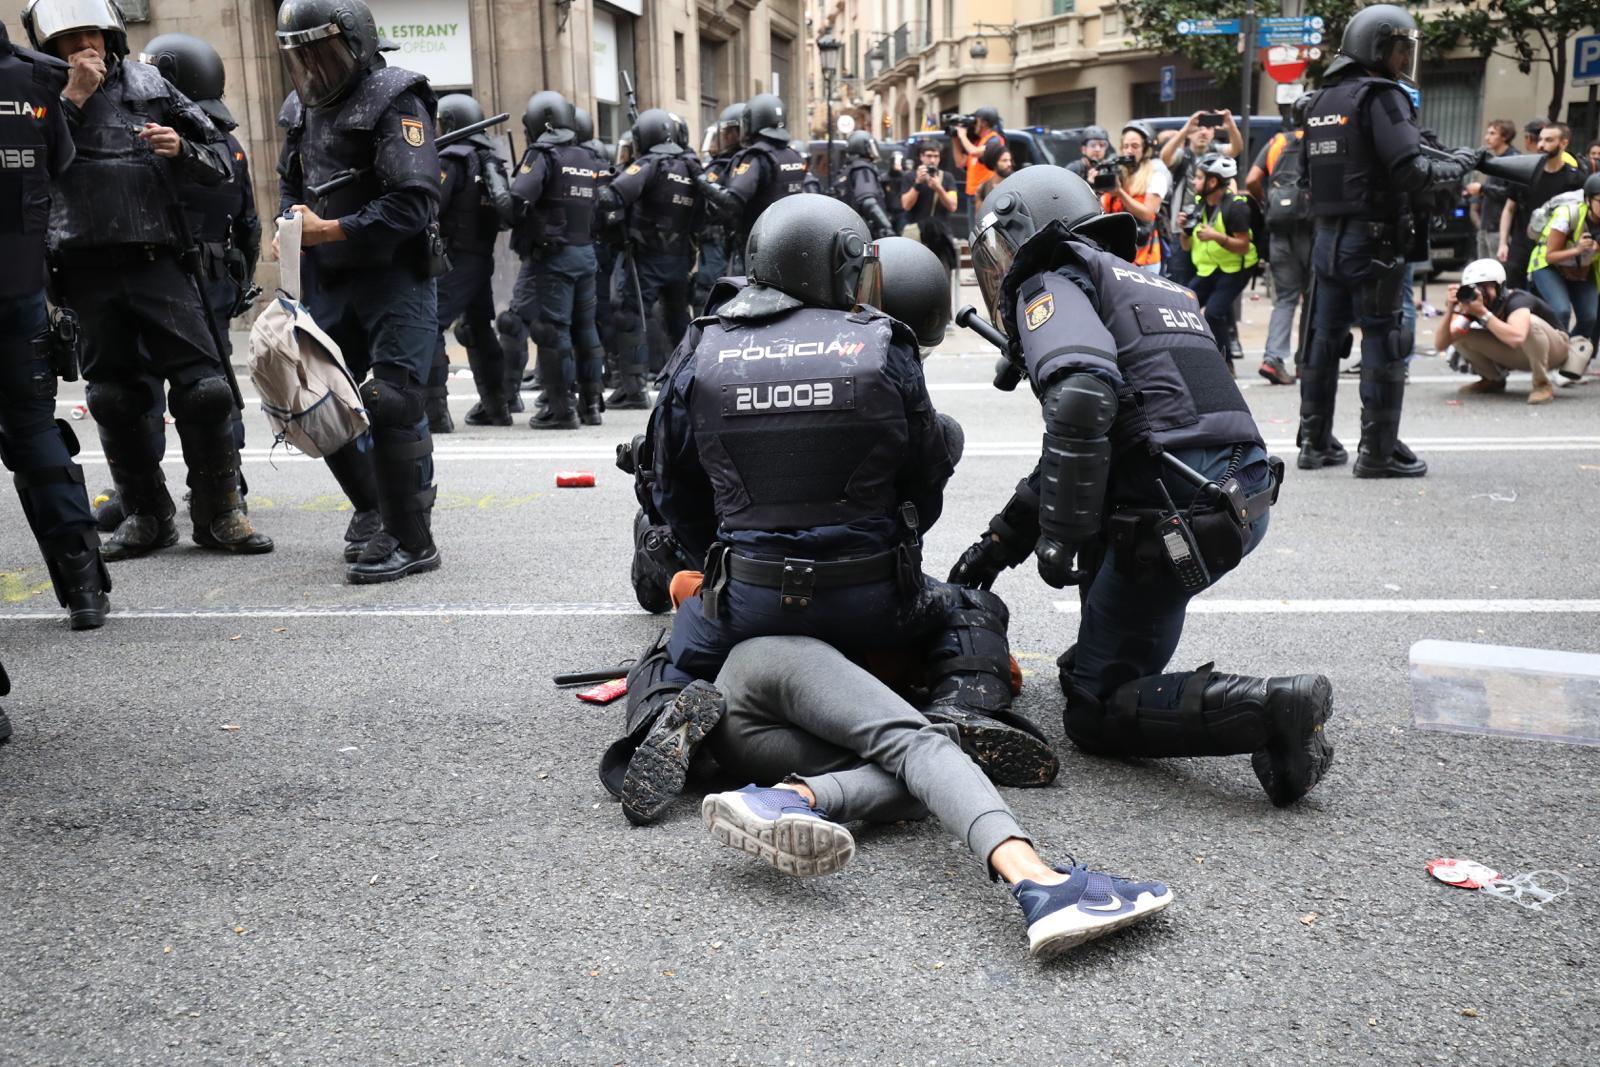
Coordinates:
(828, 49)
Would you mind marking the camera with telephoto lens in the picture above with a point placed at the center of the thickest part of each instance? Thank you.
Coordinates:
(1466, 293)
(952, 120)
(1105, 172)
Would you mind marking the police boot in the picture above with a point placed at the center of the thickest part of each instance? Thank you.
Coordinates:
(488, 373)
(591, 402)
(656, 558)
(149, 523)
(202, 411)
(1319, 387)
(632, 392)
(53, 502)
(560, 413)
(402, 459)
(659, 767)
(1279, 721)
(81, 583)
(133, 437)
(352, 468)
(971, 689)
(1381, 454)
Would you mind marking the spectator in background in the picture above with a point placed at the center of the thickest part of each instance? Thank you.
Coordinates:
(1489, 195)
(1592, 154)
(1180, 156)
(1565, 266)
(1502, 329)
(1140, 192)
(1096, 143)
(1560, 174)
(1219, 244)
(1274, 180)
(1530, 134)
(997, 158)
(967, 149)
(928, 197)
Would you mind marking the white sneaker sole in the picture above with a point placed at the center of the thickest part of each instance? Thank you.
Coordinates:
(1071, 927)
(795, 844)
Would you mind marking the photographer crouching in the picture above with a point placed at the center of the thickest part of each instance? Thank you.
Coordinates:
(1497, 329)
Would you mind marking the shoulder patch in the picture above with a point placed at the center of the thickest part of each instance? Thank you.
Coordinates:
(1038, 313)
(741, 168)
(411, 129)
(711, 174)
(633, 169)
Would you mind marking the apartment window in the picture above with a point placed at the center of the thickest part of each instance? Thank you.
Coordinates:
(712, 73)
(1062, 110)
(682, 76)
(1063, 7)
(783, 70)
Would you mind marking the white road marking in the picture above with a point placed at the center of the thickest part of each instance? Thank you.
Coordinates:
(423, 611)
(1447, 606)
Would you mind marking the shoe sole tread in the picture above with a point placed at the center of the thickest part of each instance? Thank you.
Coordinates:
(794, 844)
(657, 771)
(1009, 756)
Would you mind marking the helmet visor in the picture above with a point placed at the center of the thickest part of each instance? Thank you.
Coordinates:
(1403, 55)
(320, 61)
(869, 287)
(60, 16)
(992, 256)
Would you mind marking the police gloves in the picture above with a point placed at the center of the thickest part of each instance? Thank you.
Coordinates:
(981, 563)
(1055, 564)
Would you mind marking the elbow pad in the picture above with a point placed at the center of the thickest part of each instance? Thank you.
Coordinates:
(877, 219)
(1075, 463)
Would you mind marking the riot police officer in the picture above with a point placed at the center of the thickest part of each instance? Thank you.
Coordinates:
(37, 447)
(118, 252)
(861, 187)
(475, 205)
(1369, 181)
(1152, 483)
(765, 171)
(372, 252)
(658, 201)
(555, 291)
(713, 233)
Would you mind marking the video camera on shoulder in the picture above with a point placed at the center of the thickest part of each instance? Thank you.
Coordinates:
(1105, 172)
(953, 120)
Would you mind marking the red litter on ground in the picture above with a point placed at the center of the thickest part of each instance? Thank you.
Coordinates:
(605, 692)
(1467, 874)
(574, 479)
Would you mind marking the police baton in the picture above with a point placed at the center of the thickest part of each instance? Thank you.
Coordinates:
(444, 140)
(1008, 373)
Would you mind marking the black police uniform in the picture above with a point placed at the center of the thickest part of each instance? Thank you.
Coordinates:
(469, 222)
(1364, 160)
(374, 293)
(931, 217)
(555, 291)
(36, 446)
(862, 188)
(116, 258)
(759, 176)
(712, 237)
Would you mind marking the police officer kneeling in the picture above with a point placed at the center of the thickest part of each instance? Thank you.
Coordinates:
(1131, 379)
(370, 252)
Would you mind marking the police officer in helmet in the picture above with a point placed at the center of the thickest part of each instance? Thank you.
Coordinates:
(657, 200)
(713, 233)
(765, 171)
(1138, 407)
(35, 446)
(554, 297)
(372, 252)
(475, 205)
(860, 185)
(1370, 181)
(117, 247)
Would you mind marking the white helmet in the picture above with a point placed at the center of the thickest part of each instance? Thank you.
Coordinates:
(1220, 166)
(1483, 270)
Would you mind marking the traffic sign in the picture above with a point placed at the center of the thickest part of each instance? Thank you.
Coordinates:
(1169, 84)
(1208, 27)
(1299, 30)
(1285, 62)
(1288, 94)
(847, 125)
(1586, 60)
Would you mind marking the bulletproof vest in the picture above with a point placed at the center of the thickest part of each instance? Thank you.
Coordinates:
(467, 222)
(113, 194)
(861, 184)
(797, 421)
(662, 220)
(1346, 177)
(32, 83)
(333, 140)
(785, 170)
(1177, 392)
(565, 210)
(212, 209)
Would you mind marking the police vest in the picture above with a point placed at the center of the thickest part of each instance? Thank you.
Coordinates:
(662, 219)
(1347, 178)
(1177, 392)
(564, 212)
(797, 422)
(1209, 256)
(783, 169)
(213, 209)
(466, 221)
(113, 194)
(1577, 214)
(332, 140)
(29, 86)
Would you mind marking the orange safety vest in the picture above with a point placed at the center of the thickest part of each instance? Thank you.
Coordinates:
(1150, 251)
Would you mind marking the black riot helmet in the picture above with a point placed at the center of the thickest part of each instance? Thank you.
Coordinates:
(916, 287)
(680, 130)
(1028, 201)
(814, 248)
(195, 68)
(550, 118)
(728, 123)
(326, 46)
(1384, 39)
(861, 144)
(457, 110)
(45, 20)
(763, 117)
(582, 125)
(652, 132)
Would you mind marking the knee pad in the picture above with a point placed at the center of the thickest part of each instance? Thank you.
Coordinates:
(391, 404)
(201, 400)
(955, 438)
(69, 436)
(118, 403)
(548, 334)
(463, 334)
(510, 323)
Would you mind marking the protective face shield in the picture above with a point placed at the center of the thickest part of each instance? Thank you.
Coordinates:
(993, 252)
(869, 286)
(326, 45)
(46, 20)
(1402, 56)
(625, 148)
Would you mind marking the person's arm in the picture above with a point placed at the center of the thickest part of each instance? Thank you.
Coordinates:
(962, 148)
(1237, 236)
(1170, 151)
(1560, 249)
(945, 197)
(1144, 208)
(1235, 146)
(912, 193)
(1255, 182)
(189, 138)
(681, 489)
(1442, 332)
(1512, 330)
(1508, 215)
(928, 465)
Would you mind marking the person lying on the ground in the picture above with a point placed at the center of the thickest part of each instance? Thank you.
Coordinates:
(840, 746)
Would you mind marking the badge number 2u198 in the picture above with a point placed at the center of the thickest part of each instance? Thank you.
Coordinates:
(1038, 313)
(411, 130)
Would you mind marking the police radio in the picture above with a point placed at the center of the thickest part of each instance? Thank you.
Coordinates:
(1178, 544)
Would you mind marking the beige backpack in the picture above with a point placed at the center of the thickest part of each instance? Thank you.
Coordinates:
(310, 399)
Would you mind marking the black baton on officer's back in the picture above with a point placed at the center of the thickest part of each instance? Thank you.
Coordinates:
(444, 140)
(1008, 375)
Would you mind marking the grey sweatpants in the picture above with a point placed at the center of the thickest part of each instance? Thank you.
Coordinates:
(799, 707)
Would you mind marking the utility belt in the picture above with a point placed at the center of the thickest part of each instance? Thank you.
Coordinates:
(797, 580)
(105, 257)
(1385, 233)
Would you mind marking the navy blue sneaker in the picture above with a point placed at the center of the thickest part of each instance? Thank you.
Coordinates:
(1087, 905)
(780, 828)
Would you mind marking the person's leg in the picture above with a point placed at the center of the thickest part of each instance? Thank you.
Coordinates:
(1219, 300)
(632, 383)
(1328, 339)
(1585, 295)
(1379, 283)
(1489, 357)
(1549, 284)
(1287, 283)
(513, 324)
(590, 357)
(552, 339)
(485, 357)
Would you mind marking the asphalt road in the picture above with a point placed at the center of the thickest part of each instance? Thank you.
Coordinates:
(266, 817)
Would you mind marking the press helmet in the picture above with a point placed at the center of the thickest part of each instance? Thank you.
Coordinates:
(813, 248)
(1220, 166)
(1483, 270)
(1591, 186)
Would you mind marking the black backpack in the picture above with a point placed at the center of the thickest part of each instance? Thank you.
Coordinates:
(1288, 198)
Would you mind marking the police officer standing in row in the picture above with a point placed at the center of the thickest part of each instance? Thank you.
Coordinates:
(1370, 182)
(116, 243)
(475, 206)
(713, 236)
(37, 447)
(861, 187)
(1138, 408)
(371, 256)
(656, 202)
(765, 171)
(555, 292)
